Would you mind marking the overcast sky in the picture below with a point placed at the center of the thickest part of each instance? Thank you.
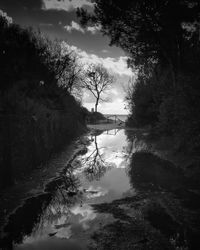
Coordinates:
(57, 19)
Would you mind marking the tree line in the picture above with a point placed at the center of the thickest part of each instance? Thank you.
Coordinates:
(162, 40)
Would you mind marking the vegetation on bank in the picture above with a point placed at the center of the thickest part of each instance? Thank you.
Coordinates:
(38, 113)
(161, 39)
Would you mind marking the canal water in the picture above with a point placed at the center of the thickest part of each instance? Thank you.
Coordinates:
(100, 202)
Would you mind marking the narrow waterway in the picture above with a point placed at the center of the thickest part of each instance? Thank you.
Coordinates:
(114, 195)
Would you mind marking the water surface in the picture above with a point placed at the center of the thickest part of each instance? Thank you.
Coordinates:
(116, 194)
(64, 218)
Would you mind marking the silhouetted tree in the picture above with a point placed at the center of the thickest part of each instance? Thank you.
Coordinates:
(97, 80)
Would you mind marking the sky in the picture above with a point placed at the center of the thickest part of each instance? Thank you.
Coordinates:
(57, 20)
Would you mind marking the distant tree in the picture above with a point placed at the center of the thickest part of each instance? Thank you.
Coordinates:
(97, 80)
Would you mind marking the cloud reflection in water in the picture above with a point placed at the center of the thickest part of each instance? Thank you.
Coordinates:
(100, 176)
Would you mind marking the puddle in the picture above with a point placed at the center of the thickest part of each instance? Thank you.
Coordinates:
(63, 217)
(115, 194)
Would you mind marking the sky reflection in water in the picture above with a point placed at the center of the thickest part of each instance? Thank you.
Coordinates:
(68, 222)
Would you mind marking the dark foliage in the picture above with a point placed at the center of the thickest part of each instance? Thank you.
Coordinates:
(38, 115)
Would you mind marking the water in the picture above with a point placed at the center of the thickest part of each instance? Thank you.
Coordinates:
(117, 194)
(65, 218)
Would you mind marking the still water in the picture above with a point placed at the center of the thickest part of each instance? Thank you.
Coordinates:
(63, 218)
(117, 194)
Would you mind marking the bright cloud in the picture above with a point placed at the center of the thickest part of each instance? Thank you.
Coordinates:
(74, 26)
(114, 65)
(93, 29)
(67, 5)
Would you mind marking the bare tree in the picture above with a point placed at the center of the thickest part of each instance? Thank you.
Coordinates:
(97, 80)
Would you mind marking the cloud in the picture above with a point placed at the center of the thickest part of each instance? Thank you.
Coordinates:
(93, 29)
(89, 98)
(67, 5)
(74, 26)
(114, 65)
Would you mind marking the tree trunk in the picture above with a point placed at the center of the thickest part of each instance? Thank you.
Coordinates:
(96, 104)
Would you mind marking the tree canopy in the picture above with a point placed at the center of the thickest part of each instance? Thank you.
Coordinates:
(147, 30)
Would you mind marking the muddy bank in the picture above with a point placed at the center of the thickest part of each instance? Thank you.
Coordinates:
(148, 221)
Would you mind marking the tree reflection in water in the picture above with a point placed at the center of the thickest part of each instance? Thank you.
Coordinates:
(65, 195)
(46, 213)
(95, 163)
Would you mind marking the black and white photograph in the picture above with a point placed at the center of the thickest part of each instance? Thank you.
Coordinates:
(99, 124)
